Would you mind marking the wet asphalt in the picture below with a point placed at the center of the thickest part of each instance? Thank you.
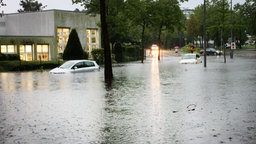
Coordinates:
(157, 102)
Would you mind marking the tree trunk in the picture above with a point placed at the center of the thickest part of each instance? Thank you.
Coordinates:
(142, 41)
(159, 40)
(107, 54)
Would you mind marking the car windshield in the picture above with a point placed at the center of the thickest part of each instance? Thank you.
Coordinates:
(189, 57)
(210, 49)
(67, 64)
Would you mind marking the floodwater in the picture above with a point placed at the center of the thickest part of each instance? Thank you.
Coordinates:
(157, 102)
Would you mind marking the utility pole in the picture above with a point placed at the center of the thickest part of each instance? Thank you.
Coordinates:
(204, 33)
(231, 32)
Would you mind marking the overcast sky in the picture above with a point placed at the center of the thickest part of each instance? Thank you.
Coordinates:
(13, 5)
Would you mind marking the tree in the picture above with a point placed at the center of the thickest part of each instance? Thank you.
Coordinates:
(73, 49)
(140, 18)
(248, 13)
(1, 5)
(193, 27)
(107, 54)
(166, 15)
(30, 5)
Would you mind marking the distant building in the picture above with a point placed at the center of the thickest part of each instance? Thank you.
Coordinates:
(44, 35)
(187, 12)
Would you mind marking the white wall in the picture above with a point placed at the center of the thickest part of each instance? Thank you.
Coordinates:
(30, 24)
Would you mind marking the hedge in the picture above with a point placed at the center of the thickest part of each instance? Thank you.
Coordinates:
(27, 65)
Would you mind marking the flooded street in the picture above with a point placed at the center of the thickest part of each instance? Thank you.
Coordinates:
(157, 102)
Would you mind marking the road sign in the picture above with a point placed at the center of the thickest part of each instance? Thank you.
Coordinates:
(233, 45)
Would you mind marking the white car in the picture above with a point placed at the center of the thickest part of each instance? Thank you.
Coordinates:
(76, 66)
(191, 59)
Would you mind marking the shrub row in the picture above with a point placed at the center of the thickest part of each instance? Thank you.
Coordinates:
(120, 54)
(27, 65)
(10, 57)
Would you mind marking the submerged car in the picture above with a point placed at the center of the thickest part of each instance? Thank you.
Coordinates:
(76, 66)
(191, 59)
(211, 51)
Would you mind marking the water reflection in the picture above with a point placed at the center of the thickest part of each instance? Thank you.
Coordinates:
(156, 110)
(26, 81)
(147, 103)
(42, 108)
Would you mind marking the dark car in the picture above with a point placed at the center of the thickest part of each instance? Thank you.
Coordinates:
(211, 51)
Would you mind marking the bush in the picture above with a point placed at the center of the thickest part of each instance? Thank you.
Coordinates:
(132, 53)
(10, 57)
(186, 49)
(27, 65)
(98, 55)
(74, 48)
(118, 51)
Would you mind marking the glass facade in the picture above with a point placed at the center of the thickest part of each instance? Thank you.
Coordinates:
(62, 38)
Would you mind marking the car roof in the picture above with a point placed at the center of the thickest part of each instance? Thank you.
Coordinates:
(79, 60)
(190, 54)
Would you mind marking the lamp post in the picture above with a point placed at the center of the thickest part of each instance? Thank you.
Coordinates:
(204, 33)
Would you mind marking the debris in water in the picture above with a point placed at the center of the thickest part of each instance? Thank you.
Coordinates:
(191, 107)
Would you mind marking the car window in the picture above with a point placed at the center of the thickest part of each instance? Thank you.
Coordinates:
(79, 65)
(89, 64)
(67, 64)
(188, 57)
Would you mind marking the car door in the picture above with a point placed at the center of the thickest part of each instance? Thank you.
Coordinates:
(78, 67)
(90, 66)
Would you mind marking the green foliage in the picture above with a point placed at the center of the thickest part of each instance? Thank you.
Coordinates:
(186, 49)
(118, 51)
(138, 21)
(220, 20)
(131, 53)
(248, 11)
(27, 65)
(98, 55)
(10, 57)
(74, 48)
(30, 5)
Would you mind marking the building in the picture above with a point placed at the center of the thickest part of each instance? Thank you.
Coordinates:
(187, 12)
(43, 35)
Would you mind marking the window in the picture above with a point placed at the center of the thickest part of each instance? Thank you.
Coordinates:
(92, 39)
(89, 64)
(62, 38)
(42, 52)
(8, 49)
(79, 65)
(26, 52)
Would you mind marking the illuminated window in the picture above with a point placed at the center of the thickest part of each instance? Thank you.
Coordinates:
(92, 39)
(26, 52)
(42, 52)
(62, 38)
(11, 49)
(8, 49)
(3, 49)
